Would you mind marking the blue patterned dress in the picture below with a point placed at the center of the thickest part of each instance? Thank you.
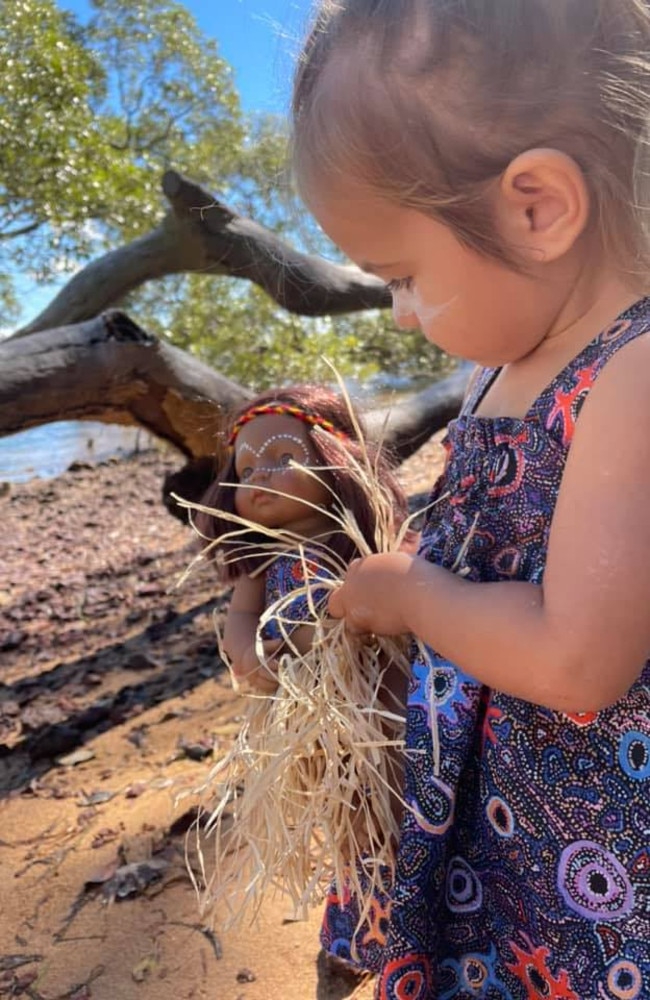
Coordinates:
(286, 574)
(523, 869)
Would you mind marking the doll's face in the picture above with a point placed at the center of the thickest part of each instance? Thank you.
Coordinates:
(267, 453)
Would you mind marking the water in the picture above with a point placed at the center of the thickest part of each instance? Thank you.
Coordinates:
(47, 451)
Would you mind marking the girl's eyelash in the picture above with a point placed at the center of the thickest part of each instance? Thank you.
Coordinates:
(397, 283)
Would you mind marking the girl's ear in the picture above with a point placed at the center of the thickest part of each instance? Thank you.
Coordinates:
(542, 205)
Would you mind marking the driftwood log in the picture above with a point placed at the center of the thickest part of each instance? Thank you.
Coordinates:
(200, 233)
(110, 369)
(76, 361)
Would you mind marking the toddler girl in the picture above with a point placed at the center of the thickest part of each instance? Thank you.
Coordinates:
(486, 161)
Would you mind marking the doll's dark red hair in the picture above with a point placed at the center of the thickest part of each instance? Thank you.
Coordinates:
(328, 408)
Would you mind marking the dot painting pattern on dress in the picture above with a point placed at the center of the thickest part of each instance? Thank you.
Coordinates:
(283, 576)
(524, 866)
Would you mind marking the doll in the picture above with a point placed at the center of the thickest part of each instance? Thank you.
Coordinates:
(301, 494)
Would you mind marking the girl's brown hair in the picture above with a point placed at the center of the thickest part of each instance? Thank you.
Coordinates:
(332, 452)
(428, 101)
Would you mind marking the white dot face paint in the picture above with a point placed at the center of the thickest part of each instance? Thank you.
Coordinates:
(403, 304)
(408, 304)
(276, 469)
(297, 452)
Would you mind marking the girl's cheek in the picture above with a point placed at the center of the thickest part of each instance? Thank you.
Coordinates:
(427, 314)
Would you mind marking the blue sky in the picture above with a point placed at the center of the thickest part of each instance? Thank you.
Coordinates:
(259, 39)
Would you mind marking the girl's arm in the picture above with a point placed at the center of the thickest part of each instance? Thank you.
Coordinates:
(578, 642)
(246, 606)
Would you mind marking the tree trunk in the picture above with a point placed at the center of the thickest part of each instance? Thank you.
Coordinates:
(109, 369)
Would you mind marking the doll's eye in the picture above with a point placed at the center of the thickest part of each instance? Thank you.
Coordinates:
(286, 459)
(245, 473)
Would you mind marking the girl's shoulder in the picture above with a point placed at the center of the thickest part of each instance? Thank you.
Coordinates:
(620, 376)
(610, 358)
(633, 324)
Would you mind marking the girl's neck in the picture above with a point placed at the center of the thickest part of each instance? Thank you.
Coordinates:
(597, 298)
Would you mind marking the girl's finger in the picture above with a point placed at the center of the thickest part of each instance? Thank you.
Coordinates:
(266, 682)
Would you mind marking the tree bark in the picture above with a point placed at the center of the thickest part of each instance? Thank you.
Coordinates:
(201, 233)
(109, 369)
(407, 425)
(112, 370)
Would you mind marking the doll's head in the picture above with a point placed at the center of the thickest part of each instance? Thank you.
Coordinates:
(277, 444)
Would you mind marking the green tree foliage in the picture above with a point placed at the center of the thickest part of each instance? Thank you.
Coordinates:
(47, 81)
(90, 116)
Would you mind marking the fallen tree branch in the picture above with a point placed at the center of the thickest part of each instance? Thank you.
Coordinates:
(111, 370)
(199, 233)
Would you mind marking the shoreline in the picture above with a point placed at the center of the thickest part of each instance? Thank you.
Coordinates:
(47, 451)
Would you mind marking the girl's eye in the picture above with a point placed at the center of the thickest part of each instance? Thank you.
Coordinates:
(245, 473)
(397, 284)
(286, 459)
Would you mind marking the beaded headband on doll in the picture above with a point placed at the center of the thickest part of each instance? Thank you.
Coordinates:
(283, 410)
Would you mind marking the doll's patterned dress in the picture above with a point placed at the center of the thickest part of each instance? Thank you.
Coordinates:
(523, 868)
(285, 575)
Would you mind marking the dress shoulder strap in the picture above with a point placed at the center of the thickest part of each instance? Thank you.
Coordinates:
(560, 403)
(479, 382)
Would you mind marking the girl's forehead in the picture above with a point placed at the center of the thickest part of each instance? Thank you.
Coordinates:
(362, 223)
(277, 426)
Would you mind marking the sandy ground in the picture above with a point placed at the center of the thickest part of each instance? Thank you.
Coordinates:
(113, 708)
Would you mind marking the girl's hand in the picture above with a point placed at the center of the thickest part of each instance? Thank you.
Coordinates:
(374, 594)
(249, 671)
